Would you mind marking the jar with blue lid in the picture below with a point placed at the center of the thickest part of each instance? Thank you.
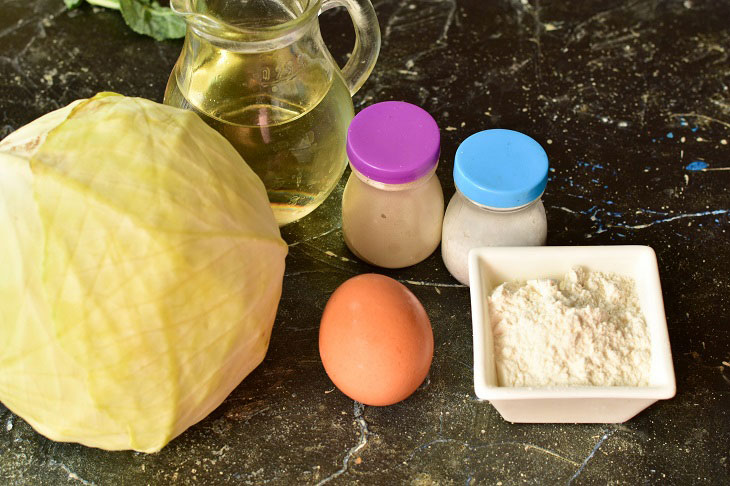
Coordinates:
(500, 176)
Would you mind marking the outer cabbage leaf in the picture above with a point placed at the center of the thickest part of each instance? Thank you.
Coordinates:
(141, 272)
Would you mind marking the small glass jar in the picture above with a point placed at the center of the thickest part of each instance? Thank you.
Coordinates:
(393, 204)
(500, 176)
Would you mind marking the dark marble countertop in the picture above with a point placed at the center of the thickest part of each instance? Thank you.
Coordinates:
(624, 96)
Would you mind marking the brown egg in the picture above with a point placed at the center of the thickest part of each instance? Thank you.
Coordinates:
(375, 340)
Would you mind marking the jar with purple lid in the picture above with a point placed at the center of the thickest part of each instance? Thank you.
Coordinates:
(393, 204)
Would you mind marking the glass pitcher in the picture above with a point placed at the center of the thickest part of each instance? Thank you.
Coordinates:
(259, 72)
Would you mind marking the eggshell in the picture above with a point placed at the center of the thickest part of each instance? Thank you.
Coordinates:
(375, 340)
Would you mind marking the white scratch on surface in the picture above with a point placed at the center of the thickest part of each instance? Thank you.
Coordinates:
(488, 445)
(326, 261)
(435, 441)
(590, 456)
(551, 453)
(358, 409)
(72, 476)
(329, 231)
(40, 23)
(700, 117)
(392, 20)
(18, 25)
(432, 284)
(672, 218)
(449, 20)
(612, 42)
(402, 12)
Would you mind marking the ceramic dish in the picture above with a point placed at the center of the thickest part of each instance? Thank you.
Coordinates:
(490, 267)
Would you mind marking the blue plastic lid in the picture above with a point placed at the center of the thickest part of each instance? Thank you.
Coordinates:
(501, 168)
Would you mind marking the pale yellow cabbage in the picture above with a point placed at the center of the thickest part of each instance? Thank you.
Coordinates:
(140, 272)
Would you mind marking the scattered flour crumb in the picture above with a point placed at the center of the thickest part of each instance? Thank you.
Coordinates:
(48, 77)
(587, 329)
(334, 255)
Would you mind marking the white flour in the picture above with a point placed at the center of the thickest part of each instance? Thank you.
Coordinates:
(587, 329)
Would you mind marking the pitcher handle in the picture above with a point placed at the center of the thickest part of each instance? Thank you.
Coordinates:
(367, 41)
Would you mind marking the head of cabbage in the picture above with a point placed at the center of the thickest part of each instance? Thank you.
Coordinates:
(140, 272)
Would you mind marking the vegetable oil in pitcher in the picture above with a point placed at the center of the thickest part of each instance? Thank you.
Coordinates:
(259, 72)
(298, 149)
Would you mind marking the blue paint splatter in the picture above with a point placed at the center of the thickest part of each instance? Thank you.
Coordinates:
(593, 166)
(590, 456)
(670, 135)
(697, 165)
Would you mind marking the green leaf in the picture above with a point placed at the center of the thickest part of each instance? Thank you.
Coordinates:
(71, 4)
(150, 18)
(113, 4)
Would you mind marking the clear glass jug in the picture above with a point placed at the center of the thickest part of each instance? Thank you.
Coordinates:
(259, 72)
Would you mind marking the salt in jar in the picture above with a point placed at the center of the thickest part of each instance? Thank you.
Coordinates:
(500, 176)
(393, 204)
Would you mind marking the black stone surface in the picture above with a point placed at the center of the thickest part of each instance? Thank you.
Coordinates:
(623, 95)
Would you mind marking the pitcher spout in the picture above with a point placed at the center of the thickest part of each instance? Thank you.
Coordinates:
(195, 14)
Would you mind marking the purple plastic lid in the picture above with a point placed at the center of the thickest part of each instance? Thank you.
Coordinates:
(393, 142)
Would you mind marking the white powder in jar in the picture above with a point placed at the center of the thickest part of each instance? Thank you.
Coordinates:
(587, 329)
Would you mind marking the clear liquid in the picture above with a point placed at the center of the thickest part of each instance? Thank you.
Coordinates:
(292, 133)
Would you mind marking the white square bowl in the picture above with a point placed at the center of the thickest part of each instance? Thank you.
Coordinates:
(492, 266)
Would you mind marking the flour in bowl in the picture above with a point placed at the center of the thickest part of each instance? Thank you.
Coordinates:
(586, 329)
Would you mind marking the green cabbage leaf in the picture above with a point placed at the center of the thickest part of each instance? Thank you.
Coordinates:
(140, 272)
